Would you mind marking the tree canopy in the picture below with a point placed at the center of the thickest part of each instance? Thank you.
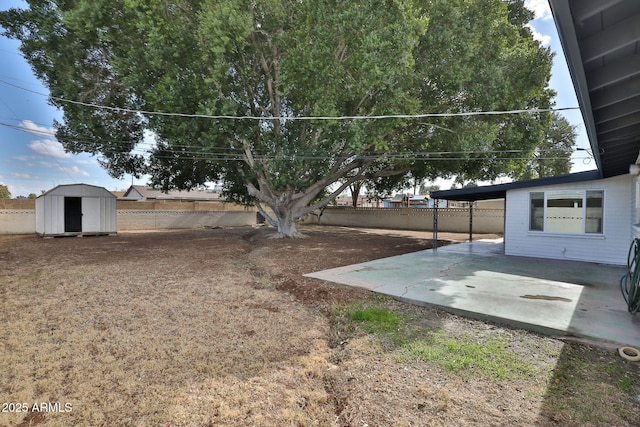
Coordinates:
(552, 156)
(255, 88)
(4, 192)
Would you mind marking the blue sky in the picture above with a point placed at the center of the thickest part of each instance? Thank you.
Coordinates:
(31, 160)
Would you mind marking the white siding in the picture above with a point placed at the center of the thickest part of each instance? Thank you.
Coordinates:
(40, 215)
(635, 207)
(91, 213)
(50, 215)
(108, 219)
(611, 247)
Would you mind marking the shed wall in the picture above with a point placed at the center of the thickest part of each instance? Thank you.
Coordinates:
(611, 247)
(50, 214)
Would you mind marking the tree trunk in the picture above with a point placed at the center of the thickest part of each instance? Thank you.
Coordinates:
(286, 213)
(355, 192)
(287, 227)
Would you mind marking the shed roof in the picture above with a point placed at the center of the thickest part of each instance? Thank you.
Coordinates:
(78, 190)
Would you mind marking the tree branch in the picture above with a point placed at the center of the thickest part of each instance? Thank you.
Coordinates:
(266, 216)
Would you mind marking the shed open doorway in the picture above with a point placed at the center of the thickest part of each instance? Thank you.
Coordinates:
(72, 214)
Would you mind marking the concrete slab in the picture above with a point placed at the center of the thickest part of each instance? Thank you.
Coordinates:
(566, 298)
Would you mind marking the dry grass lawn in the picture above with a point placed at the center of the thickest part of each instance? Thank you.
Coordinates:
(219, 327)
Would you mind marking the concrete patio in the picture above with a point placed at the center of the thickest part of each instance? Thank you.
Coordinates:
(559, 298)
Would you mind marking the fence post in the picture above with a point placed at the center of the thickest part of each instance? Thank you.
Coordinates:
(471, 221)
(434, 245)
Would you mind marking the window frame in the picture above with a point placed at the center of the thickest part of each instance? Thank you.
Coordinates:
(534, 226)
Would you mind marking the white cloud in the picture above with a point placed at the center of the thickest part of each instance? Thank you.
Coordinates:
(74, 170)
(48, 164)
(48, 147)
(540, 8)
(29, 126)
(544, 39)
(90, 162)
(24, 176)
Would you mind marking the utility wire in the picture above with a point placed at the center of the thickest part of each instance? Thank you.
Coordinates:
(233, 153)
(194, 152)
(229, 117)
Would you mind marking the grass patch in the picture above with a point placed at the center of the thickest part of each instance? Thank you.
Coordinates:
(378, 321)
(577, 385)
(374, 319)
(464, 355)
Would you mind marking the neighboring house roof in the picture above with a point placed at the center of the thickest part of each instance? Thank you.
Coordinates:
(499, 191)
(142, 192)
(600, 41)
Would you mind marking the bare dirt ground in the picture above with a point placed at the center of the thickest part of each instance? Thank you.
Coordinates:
(219, 327)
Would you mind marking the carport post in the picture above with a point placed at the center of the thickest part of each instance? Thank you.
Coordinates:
(434, 245)
(471, 221)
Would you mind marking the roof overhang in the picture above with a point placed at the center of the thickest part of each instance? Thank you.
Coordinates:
(601, 43)
(499, 191)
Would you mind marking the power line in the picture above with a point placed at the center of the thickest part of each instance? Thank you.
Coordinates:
(233, 153)
(195, 153)
(323, 118)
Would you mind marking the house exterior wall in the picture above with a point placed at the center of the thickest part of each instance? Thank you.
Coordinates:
(635, 208)
(610, 247)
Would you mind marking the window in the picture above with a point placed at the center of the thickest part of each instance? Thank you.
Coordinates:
(566, 211)
(536, 220)
(593, 223)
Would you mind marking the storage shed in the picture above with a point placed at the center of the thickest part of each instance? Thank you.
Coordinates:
(76, 210)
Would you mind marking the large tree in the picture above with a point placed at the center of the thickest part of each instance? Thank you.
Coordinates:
(276, 70)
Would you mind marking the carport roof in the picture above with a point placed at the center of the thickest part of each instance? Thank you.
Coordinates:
(499, 191)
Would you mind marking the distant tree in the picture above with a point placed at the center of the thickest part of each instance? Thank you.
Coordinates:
(428, 188)
(4, 192)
